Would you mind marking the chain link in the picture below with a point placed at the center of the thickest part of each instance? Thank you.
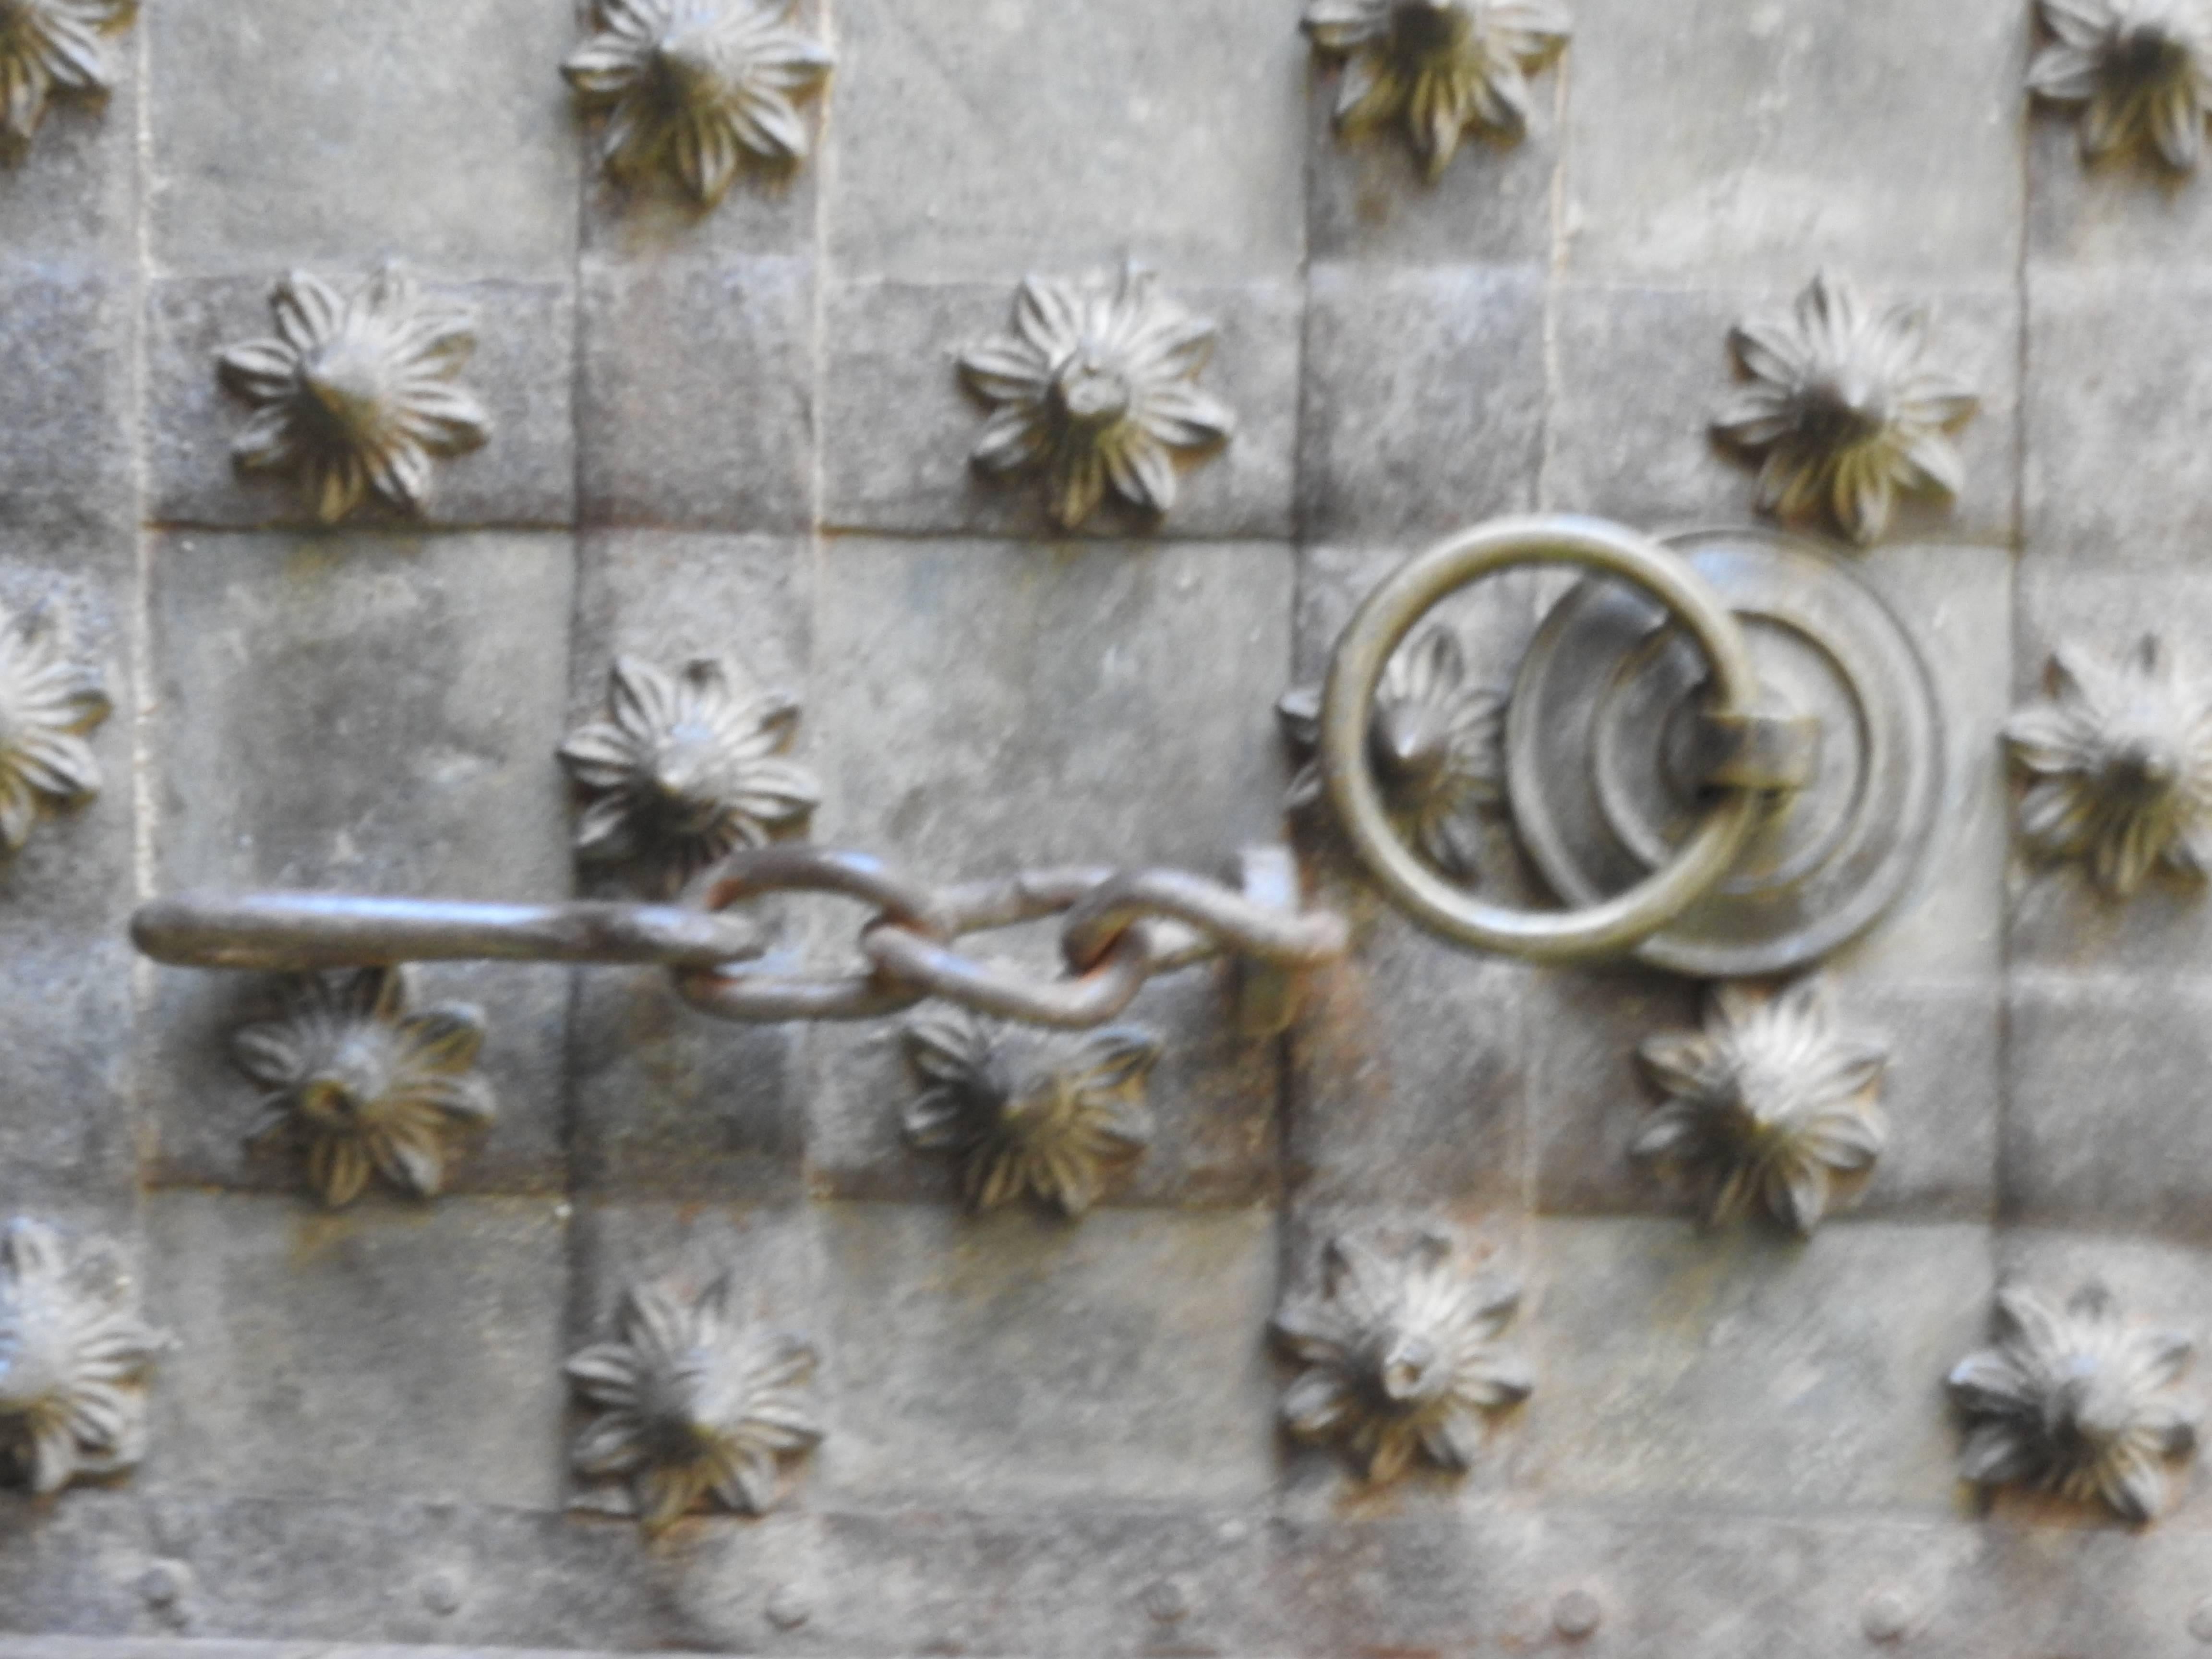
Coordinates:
(1118, 929)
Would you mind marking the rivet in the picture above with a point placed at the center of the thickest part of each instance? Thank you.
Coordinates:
(164, 1584)
(1167, 1601)
(1577, 1614)
(174, 1529)
(2200, 1620)
(788, 1607)
(441, 1592)
(1885, 1617)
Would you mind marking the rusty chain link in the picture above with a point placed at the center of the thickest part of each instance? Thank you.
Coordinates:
(1118, 929)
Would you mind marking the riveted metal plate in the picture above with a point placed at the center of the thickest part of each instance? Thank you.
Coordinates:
(1604, 719)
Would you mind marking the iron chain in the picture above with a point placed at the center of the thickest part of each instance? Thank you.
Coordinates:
(1118, 929)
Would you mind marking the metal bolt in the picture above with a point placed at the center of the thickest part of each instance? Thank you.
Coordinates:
(788, 1607)
(1577, 1614)
(1167, 1601)
(164, 1584)
(441, 1592)
(1885, 1617)
(174, 1529)
(2200, 1620)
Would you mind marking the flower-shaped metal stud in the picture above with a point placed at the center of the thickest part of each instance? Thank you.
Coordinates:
(2074, 1401)
(686, 766)
(49, 46)
(369, 1087)
(2142, 70)
(1844, 411)
(2119, 759)
(1436, 744)
(1442, 67)
(74, 1362)
(1400, 1343)
(357, 391)
(693, 1404)
(694, 87)
(1768, 1106)
(48, 703)
(1052, 1116)
(1096, 389)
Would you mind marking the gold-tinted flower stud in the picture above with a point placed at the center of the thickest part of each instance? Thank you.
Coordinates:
(1843, 411)
(1402, 1353)
(2117, 757)
(366, 1085)
(1442, 69)
(49, 704)
(1097, 390)
(1768, 1107)
(74, 1363)
(685, 767)
(2139, 70)
(692, 1405)
(1050, 1116)
(1437, 743)
(49, 47)
(357, 391)
(2076, 1401)
(697, 88)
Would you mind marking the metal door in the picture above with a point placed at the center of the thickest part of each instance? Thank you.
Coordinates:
(947, 430)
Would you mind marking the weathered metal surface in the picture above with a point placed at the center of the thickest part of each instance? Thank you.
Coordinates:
(1449, 267)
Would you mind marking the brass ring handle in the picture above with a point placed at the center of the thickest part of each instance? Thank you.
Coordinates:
(1355, 672)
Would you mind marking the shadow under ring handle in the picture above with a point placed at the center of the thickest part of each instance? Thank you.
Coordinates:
(1355, 673)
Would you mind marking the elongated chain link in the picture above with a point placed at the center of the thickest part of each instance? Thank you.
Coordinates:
(1118, 929)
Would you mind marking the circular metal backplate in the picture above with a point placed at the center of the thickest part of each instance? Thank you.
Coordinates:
(1606, 697)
